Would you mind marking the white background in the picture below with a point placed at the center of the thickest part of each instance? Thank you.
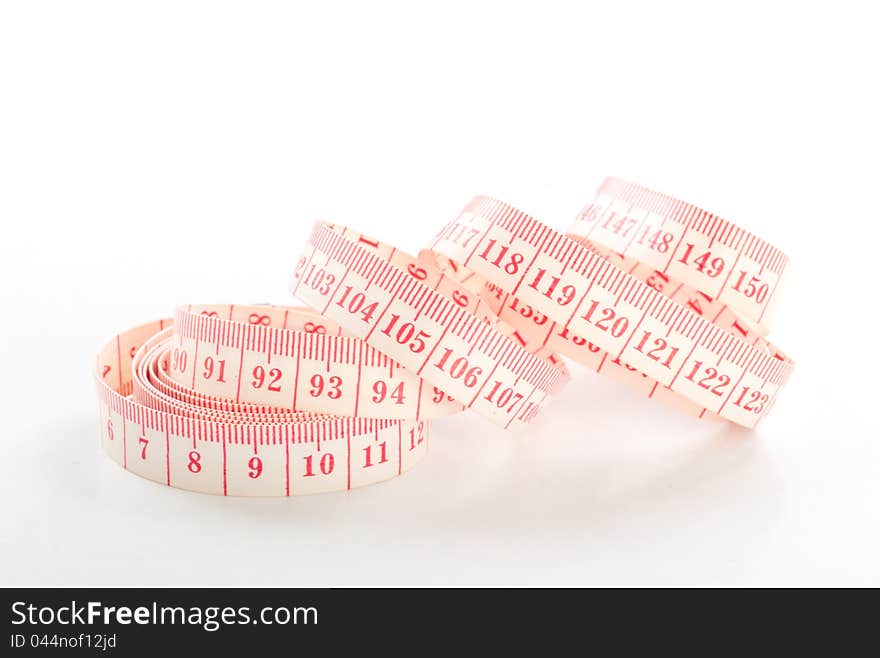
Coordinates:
(161, 153)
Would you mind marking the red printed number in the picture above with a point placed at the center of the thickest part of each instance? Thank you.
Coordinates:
(178, 360)
(416, 438)
(260, 378)
(459, 234)
(705, 264)
(195, 463)
(709, 379)
(609, 321)
(754, 288)
(509, 263)
(355, 304)
(380, 389)
(440, 395)
(333, 386)
(750, 400)
(318, 279)
(208, 372)
(368, 455)
(504, 397)
(566, 293)
(658, 349)
(406, 334)
(325, 465)
(658, 240)
(459, 368)
(622, 226)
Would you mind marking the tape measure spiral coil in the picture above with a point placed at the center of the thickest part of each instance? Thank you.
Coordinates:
(266, 400)
(605, 317)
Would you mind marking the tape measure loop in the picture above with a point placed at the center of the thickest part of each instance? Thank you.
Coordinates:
(617, 315)
(278, 401)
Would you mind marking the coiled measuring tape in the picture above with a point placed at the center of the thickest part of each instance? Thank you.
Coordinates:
(656, 292)
(261, 400)
(174, 434)
(264, 400)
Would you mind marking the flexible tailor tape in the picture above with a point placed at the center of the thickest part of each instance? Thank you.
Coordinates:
(399, 306)
(266, 400)
(293, 359)
(688, 245)
(588, 308)
(185, 439)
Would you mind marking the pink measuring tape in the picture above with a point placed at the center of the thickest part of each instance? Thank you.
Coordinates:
(263, 400)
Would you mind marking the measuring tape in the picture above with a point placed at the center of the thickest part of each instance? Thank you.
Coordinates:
(162, 431)
(625, 312)
(267, 400)
(691, 246)
(292, 359)
(396, 304)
